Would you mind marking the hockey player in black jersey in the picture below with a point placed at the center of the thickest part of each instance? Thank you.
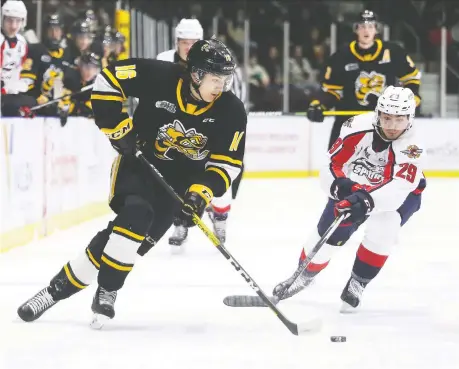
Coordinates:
(46, 62)
(89, 66)
(187, 32)
(190, 127)
(357, 73)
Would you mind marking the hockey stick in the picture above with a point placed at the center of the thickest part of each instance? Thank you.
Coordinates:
(346, 112)
(50, 102)
(296, 329)
(339, 112)
(254, 301)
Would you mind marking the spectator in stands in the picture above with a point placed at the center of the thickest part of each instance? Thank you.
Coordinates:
(273, 65)
(259, 81)
(302, 75)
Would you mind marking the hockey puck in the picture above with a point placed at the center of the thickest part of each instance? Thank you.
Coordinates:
(338, 338)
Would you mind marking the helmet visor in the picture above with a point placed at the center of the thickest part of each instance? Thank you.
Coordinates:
(212, 81)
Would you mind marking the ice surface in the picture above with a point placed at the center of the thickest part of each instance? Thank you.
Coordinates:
(170, 313)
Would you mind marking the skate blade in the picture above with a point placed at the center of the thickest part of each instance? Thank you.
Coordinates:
(98, 321)
(176, 249)
(348, 309)
(247, 301)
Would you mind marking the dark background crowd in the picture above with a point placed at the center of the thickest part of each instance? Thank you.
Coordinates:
(88, 27)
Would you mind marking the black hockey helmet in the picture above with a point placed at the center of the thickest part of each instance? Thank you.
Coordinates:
(81, 27)
(91, 59)
(211, 56)
(366, 17)
(54, 20)
(119, 37)
(108, 38)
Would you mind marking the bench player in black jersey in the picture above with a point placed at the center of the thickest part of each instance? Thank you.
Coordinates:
(357, 74)
(190, 127)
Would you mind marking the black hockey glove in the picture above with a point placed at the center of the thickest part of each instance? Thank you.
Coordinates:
(372, 99)
(358, 206)
(343, 187)
(195, 201)
(125, 145)
(316, 111)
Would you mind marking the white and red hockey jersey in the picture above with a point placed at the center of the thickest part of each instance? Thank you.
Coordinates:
(13, 53)
(389, 174)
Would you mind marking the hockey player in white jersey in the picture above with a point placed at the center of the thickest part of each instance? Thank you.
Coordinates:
(374, 174)
(13, 47)
(187, 32)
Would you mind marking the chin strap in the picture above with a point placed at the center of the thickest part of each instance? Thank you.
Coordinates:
(195, 85)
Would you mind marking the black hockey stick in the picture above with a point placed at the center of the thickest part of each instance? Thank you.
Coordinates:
(255, 301)
(296, 329)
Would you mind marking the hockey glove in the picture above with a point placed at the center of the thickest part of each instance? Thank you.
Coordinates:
(125, 145)
(195, 201)
(122, 137)
(343, 187)
(372, 99)
(25, 112)
(316, 111)
(358, 206)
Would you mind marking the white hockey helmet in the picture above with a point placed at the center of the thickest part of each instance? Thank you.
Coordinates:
(395, 101)
(15, 8)
(189, 29)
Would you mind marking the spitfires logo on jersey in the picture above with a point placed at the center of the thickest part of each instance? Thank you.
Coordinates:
(412, 151)
(374, 173)
(174, 136)
(366, 83)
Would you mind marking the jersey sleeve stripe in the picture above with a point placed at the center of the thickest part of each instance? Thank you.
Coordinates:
(29, 75)
(226, 159)
(332, 87)
(411, 82)
(346, 151)
(106, 97)
(114, 81)
(104, 85)
(225, 176)
(410, 75)
(231, 170)
(337, 95)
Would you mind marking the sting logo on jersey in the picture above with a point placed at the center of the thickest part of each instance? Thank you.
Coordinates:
(374, 173)
(174, 136)
(366, 83)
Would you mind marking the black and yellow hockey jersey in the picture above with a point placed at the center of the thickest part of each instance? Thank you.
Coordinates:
(351, 73)
(80, 104)
(184, 139)
(41, 69)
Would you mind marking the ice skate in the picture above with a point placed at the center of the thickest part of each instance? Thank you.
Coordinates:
(34, 308)
(303, 281)
(219, 223)
(103, 307)
(352, 295)
(178, 238)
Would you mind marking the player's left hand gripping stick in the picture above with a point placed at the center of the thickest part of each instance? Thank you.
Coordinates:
(296, 329)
